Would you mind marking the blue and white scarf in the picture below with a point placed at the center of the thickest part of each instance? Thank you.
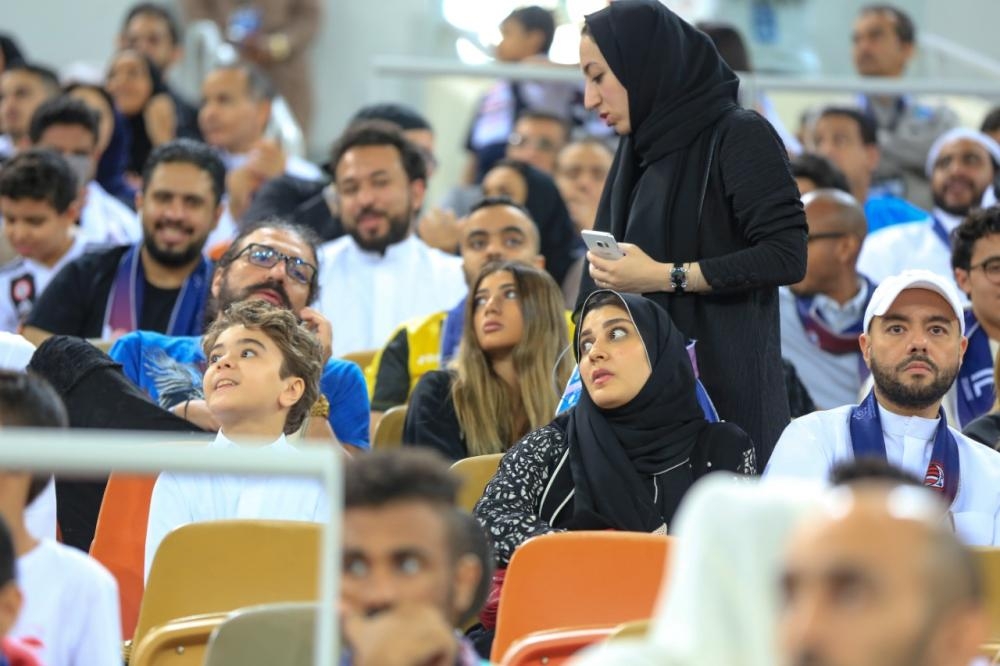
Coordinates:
(867, 440)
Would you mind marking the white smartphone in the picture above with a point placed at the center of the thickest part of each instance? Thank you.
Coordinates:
(602, 244)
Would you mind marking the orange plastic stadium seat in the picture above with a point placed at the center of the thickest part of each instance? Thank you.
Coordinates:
(120, 540)
(585, 580)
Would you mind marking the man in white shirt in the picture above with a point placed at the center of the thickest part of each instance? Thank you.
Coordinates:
(71, 602)
(380, 274)
(235, 109)
(68, 126)
(38, 203)
(913, 342)
(961, 165)
(821, 315)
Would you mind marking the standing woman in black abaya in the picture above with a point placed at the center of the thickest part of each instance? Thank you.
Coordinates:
(701, 200)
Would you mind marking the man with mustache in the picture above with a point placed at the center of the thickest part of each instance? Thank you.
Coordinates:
(884, 41)
(159, 284)
(273, 261)
(961, 165)
(913, 341)
(380, 273)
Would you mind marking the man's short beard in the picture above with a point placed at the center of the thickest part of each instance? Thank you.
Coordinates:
(961, 211)
(913, 396)
(399, 229)
(168, 257)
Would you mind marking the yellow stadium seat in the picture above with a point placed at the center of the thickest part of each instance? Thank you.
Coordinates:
(219, 566)
(360, 358)
(475, 473)
(389, 431)
(181, 642)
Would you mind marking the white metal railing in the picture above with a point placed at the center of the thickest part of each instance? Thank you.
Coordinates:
(401, 66)
(84, 452)
(946, 48)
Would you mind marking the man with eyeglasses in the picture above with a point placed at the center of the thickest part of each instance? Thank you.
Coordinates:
(68, 126)
(821, 315)
(537, 138)
(975, 259)
(158, 284)
(273, 261)
(961, 166)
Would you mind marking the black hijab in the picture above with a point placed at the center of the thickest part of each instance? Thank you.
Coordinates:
(678, 89)
(139, 146)
(560, 244)
(617, 455)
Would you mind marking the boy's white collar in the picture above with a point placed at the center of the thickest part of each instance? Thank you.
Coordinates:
(224, 442)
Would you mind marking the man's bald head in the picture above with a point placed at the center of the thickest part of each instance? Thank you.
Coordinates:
(880, 578)
(837, 228)
(841, 209)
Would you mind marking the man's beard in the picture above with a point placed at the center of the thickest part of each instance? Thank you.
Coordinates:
(915, 396)
(172, 258)
(961, 211)
(228, 296)
(399, 229)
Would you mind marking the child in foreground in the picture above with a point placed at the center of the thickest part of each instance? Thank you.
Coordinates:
(70, 602)
(262, 378)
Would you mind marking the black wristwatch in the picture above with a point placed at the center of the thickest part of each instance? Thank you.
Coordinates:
(679, 278)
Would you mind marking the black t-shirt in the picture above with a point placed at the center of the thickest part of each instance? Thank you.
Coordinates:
(75, 301)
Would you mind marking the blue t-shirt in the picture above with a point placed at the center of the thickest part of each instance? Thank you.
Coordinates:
(170, 368)
(886, 210)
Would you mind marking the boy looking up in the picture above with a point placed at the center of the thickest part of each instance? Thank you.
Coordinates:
(262, 378)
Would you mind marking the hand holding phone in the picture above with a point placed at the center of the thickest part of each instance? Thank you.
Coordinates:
(602, 244)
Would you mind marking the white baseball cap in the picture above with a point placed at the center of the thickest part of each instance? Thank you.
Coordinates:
(890, 289)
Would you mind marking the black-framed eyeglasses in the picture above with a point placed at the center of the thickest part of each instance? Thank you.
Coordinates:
(990, 268)
(266, 256)
(826, 234)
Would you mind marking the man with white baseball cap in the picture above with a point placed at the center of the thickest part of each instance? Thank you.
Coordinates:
(913, 340)
(961, 165)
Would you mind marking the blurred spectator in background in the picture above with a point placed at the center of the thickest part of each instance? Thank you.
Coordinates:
(847, 137)
(139, 93)
(527, 35)
(153, 31)
(884, 42)
(732, 48)
(275, 35)
(23, 88)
